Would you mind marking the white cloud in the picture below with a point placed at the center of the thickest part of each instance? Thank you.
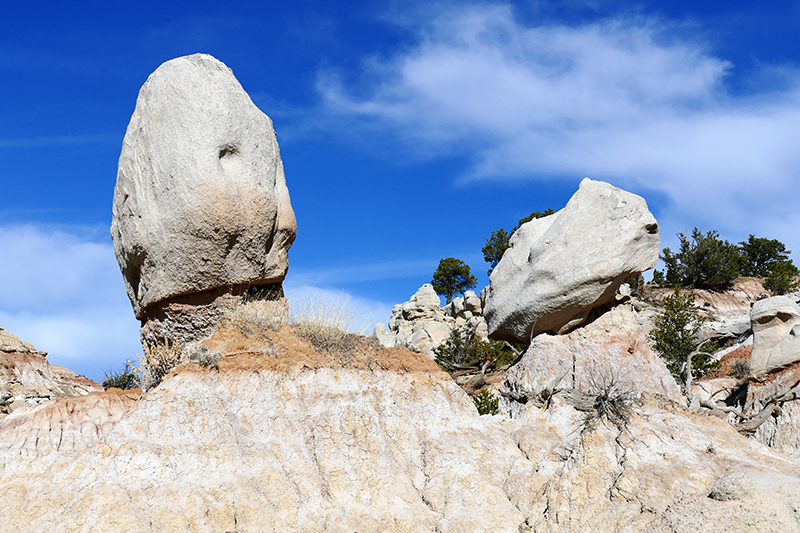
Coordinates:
(635, 102)
(62, 291)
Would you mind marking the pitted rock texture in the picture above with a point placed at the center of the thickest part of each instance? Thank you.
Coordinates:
(344, 450)
(201, 200)
(560, 267)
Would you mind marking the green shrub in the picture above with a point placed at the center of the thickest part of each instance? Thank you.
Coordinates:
(486, 402)
(465, 349)
(674, 336)
(782, 278)
(704, 261)
(125, 379)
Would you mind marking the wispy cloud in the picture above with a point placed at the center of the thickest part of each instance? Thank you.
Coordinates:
(634, 101)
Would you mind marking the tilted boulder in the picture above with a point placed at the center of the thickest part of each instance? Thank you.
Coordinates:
(776, 334)
(558, 268)
(201, 202)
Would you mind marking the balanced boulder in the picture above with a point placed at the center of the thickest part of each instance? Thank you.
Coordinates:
(201, 202)
(558, 268)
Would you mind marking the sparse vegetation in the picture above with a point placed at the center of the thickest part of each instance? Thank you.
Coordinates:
(158, 361)
(125, 379)
(327, 322)
(611, 399)
(464, 353)
(453, 276)
(674, 337)
(741, 368)
(486, 402)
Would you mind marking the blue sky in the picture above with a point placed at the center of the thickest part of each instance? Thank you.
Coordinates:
(408, 130)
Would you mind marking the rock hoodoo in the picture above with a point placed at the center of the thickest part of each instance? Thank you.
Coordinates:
(558, 268)
(201, 208)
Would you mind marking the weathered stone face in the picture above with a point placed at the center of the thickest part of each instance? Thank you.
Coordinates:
(559, 267)
(201, 199)
(776, 334)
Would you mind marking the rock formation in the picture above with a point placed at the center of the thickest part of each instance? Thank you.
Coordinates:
(776, 334)
(560, 267)
(290, 442)
(201, 209)
(421, 324)
(27, 379)
(610, 353)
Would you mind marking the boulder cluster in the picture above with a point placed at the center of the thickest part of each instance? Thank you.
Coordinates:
(421, 324)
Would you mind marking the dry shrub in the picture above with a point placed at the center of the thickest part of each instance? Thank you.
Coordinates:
(258, 315)
(157, 362)
(327, 322)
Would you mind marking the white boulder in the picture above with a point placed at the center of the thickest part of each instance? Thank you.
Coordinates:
(201, 201)
(559, 267)
(776, 334)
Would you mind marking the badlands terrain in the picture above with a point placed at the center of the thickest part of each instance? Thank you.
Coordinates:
(247, 422)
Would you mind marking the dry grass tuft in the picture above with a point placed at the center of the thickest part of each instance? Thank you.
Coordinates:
(157, 362)
(327, 322)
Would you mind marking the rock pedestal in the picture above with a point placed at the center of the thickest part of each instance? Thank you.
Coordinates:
(201, 206)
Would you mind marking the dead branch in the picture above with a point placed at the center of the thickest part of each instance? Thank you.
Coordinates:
(750, 423)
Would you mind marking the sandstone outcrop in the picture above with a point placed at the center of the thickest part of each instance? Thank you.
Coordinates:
(421, 324)
(776, 334)
(376, 446)
(608, 354)
(560, 267)
(201, 208)
(27, 379)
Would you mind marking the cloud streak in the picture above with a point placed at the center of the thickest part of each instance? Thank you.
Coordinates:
(634, 101)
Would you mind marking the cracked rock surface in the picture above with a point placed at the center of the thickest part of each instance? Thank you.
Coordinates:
(378, 448)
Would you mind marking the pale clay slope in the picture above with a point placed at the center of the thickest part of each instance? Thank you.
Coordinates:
(354, 450)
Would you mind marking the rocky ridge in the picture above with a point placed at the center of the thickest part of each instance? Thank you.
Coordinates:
(27, 378)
